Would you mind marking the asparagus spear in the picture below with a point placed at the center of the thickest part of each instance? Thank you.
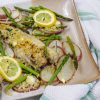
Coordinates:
(58, 15)
(18, 81)
(34, 72)
(2, 52)
(13, 21)
(58, 70)
(22, 9)
(34, 9)
(73, 50)
(51, 38)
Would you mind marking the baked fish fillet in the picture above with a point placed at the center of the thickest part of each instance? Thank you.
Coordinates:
(26, 47)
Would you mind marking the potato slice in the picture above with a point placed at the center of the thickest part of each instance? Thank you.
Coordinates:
(67, 71)
(47, 73)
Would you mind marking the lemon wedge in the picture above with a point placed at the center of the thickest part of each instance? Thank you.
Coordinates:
(44, 18)
(9, 68)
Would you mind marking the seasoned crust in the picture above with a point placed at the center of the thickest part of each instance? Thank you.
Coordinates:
(27, 85)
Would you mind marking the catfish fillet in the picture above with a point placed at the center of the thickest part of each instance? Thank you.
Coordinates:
(26, 47)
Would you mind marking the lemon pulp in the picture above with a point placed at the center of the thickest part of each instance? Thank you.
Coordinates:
(9, 68)
(44, 18)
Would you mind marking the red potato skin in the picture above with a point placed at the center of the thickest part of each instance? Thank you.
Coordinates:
(79, 57)
(3, 17)
(62, 49)
(56, 82)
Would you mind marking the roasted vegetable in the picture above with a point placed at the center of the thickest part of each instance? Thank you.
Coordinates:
(34, 72)
(67, 71)
(58, 15)
(68, 50)
(58, 69)
(2, 52)
(47, 73)
(18, 81)
(74, 53)
(13, 20)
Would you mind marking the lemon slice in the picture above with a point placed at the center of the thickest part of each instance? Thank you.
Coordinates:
(44, 18)
(9, 68)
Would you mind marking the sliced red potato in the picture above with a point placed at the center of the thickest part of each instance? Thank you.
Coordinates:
(56, 82)
(5, 21)
(15, 14)
(52, 56)
(77, 50)
(3, 18)
(56, 45)
(59, 44)
(47, 73)
(19, 18)
(67, 71)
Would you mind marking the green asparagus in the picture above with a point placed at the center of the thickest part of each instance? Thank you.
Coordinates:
(2, 52)
(13, 21)
(34, 9)
(58, 70)
(18, 81)
(58, 15)
(22, 9)
(34, 72)
(73, 51)
(51, 38)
